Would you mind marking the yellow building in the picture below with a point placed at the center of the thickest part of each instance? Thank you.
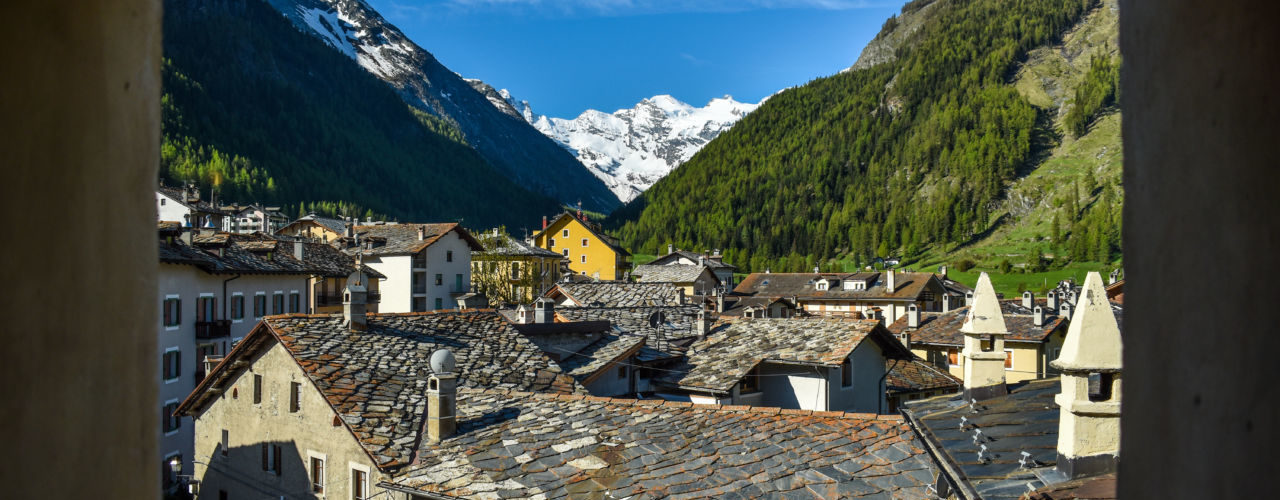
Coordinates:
(1031, 344)
(591, 253)
(511, 271)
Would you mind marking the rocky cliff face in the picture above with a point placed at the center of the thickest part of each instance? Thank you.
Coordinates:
(630, 149)
(355, 29)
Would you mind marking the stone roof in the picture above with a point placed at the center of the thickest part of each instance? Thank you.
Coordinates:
(223, 253)
(670, 337)
(336, 225)
(944, 328)
(520, 445)
(402, 239)
(1024, 420)
(1091, 488)
(714, 262)
(907, 286)
(587, 363)
(671, 273)
(376, 380)
(505, 245)
(918, 375)
(737, 305)
(732, 349)
(617, 294)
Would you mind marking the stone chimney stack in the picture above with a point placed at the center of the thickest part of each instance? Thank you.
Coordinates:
(544, 311)
(298, 249)
(1028, 299)
(422, 233)
(524, 315)
(984, 332)
(719, 302)
(913, 317)
(671, 248)
(354, 302)
(1089, 424)
(442, 397)
(544, 223)
(1037, 315)
(946, 303)
(1051, 301)
(1066, 310)
(891, 281)
(680, 296)
(702, 326)
(702, 261)
(968, 298)
(942, 270)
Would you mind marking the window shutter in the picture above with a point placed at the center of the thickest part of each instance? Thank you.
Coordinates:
(177, 363)
(277, 460)
(167, 361)
(264, 456)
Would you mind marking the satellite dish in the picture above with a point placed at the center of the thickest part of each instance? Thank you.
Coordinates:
(442, 361)
(657, 318)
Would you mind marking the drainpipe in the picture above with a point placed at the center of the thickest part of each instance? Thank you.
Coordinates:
(224, 296)
(880, 409)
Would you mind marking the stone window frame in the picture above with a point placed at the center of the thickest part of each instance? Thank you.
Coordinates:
(352, 468)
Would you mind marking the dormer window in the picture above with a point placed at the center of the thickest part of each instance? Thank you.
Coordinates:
(821, 285)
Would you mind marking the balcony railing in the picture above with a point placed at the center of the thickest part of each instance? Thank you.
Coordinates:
(328, 299)
(419, 263)
(373, 297)
(213, 329)
(420, 288)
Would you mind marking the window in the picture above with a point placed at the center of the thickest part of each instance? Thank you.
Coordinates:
(1100, 386)
(317, 474)
(167, 475)
(359, 484)
(237, 307)
(162, 202)
(259, 305)
(172, 311)
(457, 282)
(551, 242)
(439, 279)
(295, 397)
(565, 252)
(277, 303)
(846, 373)
(751, 382)
(1054, 353)
(271, 458)
(448, 256)
(169, 421)
(295, 302)
(1008, 359)
(222, 494)
(622, 372)
(172, 364)
(419, 304)
(439, 303)
(584, 242)
(205, 309)
(257, 389)
(226, 442)
(565, 233)
(953, 357)
(584, 259)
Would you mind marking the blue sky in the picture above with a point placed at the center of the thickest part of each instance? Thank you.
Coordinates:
(565, 56)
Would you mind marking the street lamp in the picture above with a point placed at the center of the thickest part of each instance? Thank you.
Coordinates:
(193, 484)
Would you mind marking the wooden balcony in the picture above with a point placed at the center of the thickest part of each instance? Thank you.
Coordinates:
(215, 329)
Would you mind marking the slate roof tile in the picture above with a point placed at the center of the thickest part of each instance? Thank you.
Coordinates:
(918, 375)
(671, 273)
(626, 449)
(944, 328)
(907, 286)
(617, 294)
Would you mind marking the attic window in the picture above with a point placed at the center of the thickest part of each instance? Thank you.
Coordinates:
(750, 382)
(1100, 386)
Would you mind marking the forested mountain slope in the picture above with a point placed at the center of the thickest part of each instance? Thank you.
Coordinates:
(271, 114)
(905, 154)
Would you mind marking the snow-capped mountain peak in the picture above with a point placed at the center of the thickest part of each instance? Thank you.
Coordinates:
(630, 149)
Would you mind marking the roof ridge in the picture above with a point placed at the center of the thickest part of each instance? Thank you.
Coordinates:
(735, 409)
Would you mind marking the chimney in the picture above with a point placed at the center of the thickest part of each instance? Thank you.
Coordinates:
(186, 234)
(297, 249)
(544, 310)
(702, 261)
(889, 284)
(544, 223)
(968, 298)
(1089, 418)
(422, 233)
(679, 295)
(671, 248)
(351, 229)
(1065, 310)
(703, 324)
(913, 317)
(1028, 299)
(442, 397)
(1051, 301)
(524, 315)
(580, 212)
(942, 270)
(353, 302)
(1037, 315)
(719, 303)
(816, 270)
(716, 253)
(946, 302)
(984, 332)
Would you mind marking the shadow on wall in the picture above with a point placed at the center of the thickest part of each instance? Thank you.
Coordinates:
(275, 469)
